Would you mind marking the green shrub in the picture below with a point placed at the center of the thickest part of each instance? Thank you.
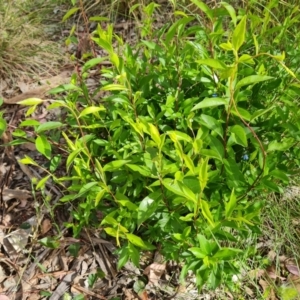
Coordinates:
(185, 134)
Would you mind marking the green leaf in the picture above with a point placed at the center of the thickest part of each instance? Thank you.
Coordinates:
(99, 196)
(271, 185)
(234, 176)
(112, 232)
(240, 135)
(212, 124)
(42, 182)
(148, 206)
(45, 294)
(100, 170)
(180, 136)
(70, 13)
(128, 204)
(93, 62)
(72, 156)
(217, 146)
(134, 255)
(210, 102)
(91, 110)
(138, 286)
(247, 59)
(203, 173)
(144, 171)
(115, 165)
(172, 31)
(48, 126)
(31, 110)
(97, 18)
(122, 198)
(151, 45)
(114, 87)
(155, 134)
(238, 36)
(31, 101)
(85, 189)
(43, 146)
(230, 205)
(211, 154)
(197, 252)
(55, 162)
(49, 242)
(187, 218)
(204, 8)
(288, 292)
(241, 112)
(206, 212)
(18, 133)
(64, 88)
(261, 112)
(189, 163)
(252, 79)
(214, 63)
(3, 126)
(283, 145)
(255, 44)
(226, 46)
(114, 58)
(123, 257)
(179, 189)
(231, 12)
(29, 123)
(204, 244)
(28, 161)
(137, 241)
(227, 253)
(280, 175)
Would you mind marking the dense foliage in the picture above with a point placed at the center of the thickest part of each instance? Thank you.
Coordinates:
(186, 133)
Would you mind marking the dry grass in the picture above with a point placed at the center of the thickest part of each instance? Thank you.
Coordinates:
(24, 47)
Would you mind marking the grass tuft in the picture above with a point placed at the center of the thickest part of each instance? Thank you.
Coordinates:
(24, 48)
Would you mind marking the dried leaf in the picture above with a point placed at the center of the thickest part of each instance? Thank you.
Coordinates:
(292, 267)
(294, 281)
(273, 273)
(23, 87)
(7, 220)
(129, 295)
(154, 272)
(272, 255)
(46, 226)
(18, 239)
(248, 291)
(256, 273)
(63, 286)
(269, 293)
(39, 92)
(9, 194)
(144, 295)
